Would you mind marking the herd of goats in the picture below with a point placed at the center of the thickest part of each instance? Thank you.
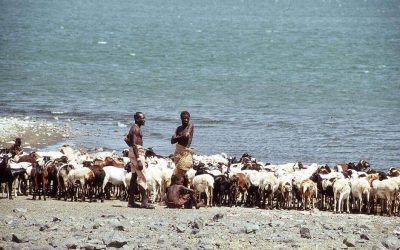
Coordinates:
(220, 180)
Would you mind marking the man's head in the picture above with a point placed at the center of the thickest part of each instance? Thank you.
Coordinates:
(18, 141)
(140, 119)
(176, 180)
(185, 117)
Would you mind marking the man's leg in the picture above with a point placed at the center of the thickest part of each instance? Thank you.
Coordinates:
(131, 191)
(145, 198)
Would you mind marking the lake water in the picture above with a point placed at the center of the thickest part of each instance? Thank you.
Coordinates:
(315, 81)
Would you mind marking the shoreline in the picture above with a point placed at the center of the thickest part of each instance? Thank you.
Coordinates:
(35, 133)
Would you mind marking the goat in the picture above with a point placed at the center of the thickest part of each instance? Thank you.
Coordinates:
(204, 183)
(7, 175)
(341, 193)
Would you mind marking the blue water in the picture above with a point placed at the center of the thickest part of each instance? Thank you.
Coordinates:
(316, 81)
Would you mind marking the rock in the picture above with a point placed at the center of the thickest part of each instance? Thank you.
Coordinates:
(364, 237)
(96, 225)
(305, 233)
(327, 226)
(20, 210)
(71, 245)
(276, 223)
(33, 222)
(375, 247)
(397, 231)
(218, 216)
(119, 228)
(95, 242)
(365, 227)
(88, 246)
(391, 242)
(52, 242)
(181, 228)
(116, 243)
(197, 223)
(115, 240)
(22, 217)
(204, 244)
(251, 228)
(54, 228)
(161, 240)
(44, 227)
(107, 216)
(55, 219)
(18, 238)
(349, 242)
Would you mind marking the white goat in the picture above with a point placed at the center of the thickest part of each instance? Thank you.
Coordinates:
(341, 193)
(360, 190)
(204, 183)
(268, 186)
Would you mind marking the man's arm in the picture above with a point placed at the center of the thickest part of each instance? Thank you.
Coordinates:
(185, 137)
(137, 141)
(175, 137)
(187, 189)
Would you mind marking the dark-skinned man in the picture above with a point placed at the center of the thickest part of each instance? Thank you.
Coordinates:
(183, 156)
(134, 139)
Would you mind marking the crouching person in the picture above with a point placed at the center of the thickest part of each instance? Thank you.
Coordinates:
(179, 196)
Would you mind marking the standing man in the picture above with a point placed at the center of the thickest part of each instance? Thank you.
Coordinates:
(16, 148)
(134, 139)
(183, 156)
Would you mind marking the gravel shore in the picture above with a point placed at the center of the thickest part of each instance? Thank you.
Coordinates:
(28, 224)
(34, 133)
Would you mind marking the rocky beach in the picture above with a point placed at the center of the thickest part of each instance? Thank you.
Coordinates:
(28, 224)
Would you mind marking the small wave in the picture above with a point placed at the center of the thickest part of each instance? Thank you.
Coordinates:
(132, 54)
(101, 42)
(121, 125)
(210, 121)
(156, 135)
(57, 112)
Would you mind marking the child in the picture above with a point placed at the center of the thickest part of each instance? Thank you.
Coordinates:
(179, 196)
